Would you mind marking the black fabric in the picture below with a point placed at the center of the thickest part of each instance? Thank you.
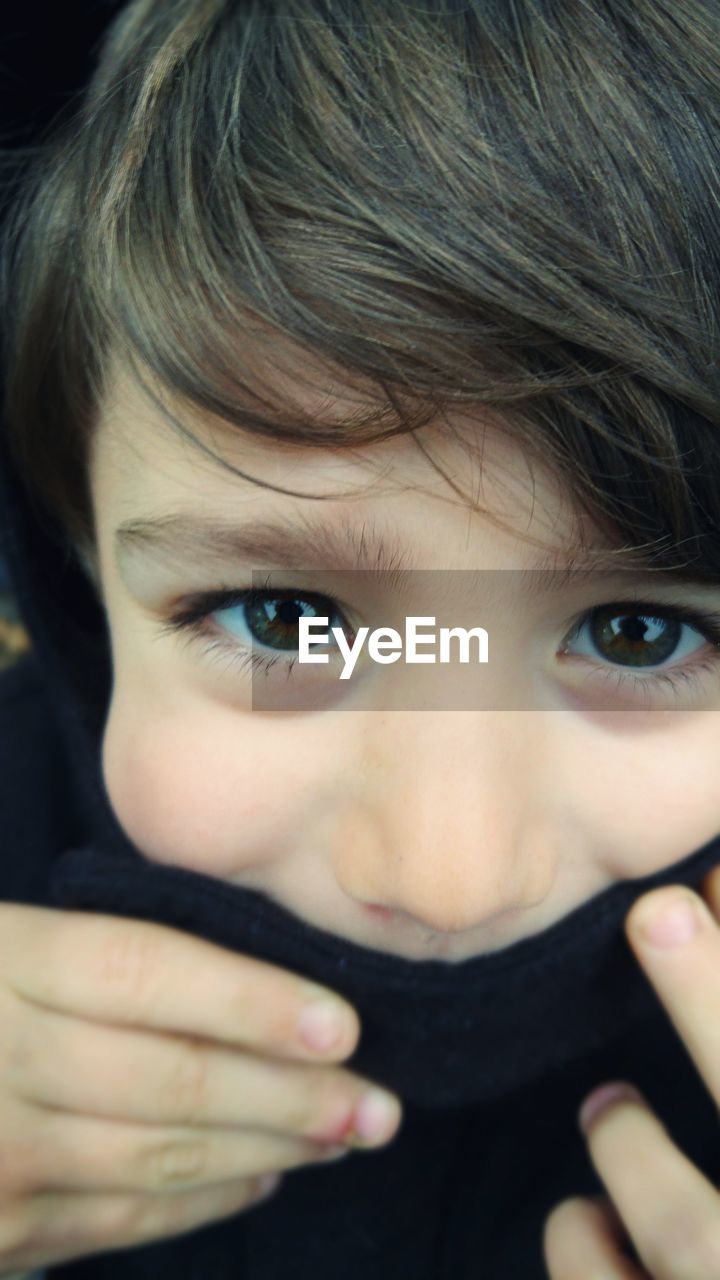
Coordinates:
(492, 1056)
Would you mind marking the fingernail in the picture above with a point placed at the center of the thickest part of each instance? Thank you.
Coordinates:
(603, 1097)
(322, 1025)
(375, 1116)
(669, 922)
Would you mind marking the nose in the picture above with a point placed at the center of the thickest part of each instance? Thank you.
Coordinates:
(447, 823)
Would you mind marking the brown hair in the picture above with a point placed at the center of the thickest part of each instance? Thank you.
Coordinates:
(511, 206)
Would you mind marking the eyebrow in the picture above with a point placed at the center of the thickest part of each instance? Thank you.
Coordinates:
(182, 538)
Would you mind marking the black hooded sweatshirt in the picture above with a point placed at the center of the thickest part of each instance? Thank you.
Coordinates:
(491, 1057)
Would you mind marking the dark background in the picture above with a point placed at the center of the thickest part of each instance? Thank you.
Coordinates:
(47, 53)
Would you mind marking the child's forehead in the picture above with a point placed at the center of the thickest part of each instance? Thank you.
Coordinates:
(481, 490)
(157, 495)
(467, 449)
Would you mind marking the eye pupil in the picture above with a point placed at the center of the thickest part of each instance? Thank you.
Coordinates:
(289, 612)
(634, 628)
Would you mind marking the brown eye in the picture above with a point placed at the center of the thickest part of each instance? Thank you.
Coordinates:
(272, 617)
(631, 638)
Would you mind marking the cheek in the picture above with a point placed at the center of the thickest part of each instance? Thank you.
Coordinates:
(648, 797)
(186, 793)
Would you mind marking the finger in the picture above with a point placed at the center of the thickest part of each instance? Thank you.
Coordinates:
(710, 890)
(670, 1211)
(130, 1075)
(55, 1151)
(64, 1228)
(684, 969)
(133, 972)
(583, 1237)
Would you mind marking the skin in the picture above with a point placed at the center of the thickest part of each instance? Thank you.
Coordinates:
(327, 812)
(656, 1197)
(324, 813)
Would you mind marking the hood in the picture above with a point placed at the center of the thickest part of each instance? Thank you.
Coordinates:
(440, 1035)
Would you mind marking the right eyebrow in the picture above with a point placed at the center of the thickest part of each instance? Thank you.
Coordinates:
(202, 539)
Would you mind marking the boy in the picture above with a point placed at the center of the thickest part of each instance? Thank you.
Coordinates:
(256, 284)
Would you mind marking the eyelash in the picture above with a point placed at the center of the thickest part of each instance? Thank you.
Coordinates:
(193, 620)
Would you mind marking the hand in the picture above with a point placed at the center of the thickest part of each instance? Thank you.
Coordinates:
(147, 1078)
(660, 1201)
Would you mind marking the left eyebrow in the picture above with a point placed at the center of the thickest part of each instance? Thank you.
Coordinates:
(181, 539)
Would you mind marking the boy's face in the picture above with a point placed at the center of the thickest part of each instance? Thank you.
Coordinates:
(480, 827)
